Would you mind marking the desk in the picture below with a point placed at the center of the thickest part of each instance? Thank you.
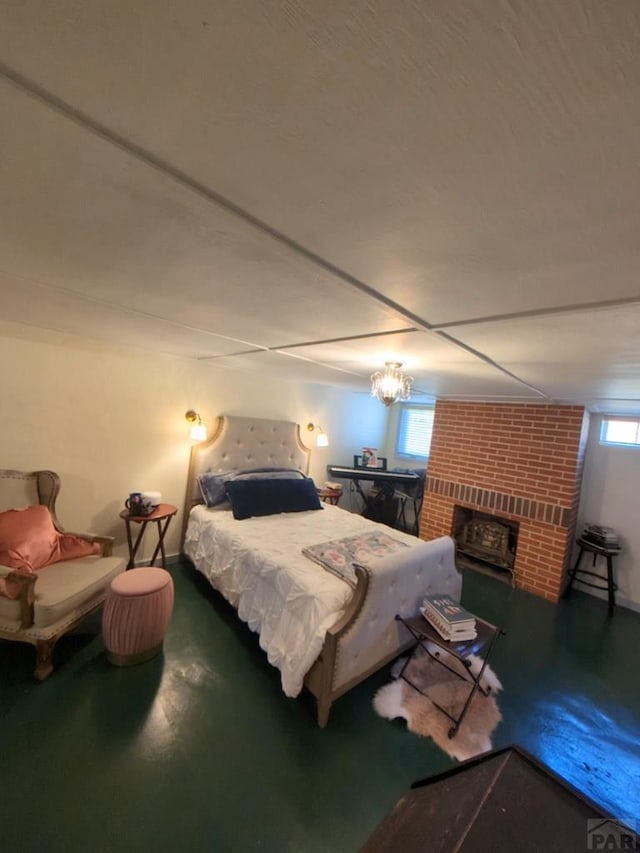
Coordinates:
(162, 513)
(385, 480)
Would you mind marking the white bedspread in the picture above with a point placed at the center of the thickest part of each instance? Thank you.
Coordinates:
(258, 565)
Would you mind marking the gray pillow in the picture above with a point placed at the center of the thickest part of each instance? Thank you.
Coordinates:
(212, 487)
(213, 484)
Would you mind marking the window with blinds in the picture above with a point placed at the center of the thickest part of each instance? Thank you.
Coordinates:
(415, 426)
(620, 431)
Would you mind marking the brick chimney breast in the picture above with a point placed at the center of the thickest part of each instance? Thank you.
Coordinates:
(521, 462)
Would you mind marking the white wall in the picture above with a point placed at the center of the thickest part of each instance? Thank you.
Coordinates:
(111, 422)
(611, 496)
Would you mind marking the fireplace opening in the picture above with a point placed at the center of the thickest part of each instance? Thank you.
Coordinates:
(485, 543)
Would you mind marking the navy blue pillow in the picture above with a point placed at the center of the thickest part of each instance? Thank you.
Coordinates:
(268, 497)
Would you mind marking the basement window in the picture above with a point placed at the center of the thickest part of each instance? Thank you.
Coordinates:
(415, 427)
(622, 432)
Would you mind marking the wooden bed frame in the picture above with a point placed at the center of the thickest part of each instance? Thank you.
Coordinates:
(367, 636)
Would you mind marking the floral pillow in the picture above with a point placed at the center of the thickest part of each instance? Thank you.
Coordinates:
(339, 555)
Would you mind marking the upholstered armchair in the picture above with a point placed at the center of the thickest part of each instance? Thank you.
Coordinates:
(45, 604)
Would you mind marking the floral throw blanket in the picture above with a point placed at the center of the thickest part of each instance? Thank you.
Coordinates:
(339, 555)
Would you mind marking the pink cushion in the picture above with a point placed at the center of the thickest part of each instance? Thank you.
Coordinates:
(141, 581)
(29, 542)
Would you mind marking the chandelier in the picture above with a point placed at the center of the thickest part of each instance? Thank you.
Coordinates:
(391, 385)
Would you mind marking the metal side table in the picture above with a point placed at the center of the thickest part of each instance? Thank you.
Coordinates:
(483, 645)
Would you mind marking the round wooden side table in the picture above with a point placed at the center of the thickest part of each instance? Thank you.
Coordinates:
(161, 516)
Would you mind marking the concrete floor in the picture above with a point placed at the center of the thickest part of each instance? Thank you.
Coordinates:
(198, 750)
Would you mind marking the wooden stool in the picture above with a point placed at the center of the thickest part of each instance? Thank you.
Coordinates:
(136, 615)
(607, 583)
(331, 496)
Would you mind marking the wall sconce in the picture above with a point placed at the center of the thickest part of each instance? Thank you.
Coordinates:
(322, 439)
(391, 385)
(198, 429)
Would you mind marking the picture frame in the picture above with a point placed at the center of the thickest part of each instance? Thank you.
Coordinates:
(369, 457)
(381, 463)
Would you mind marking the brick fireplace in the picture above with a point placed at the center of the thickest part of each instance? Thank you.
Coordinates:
(522, 463)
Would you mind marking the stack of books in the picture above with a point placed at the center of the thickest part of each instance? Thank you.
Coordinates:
(605, 537)
(450, 619)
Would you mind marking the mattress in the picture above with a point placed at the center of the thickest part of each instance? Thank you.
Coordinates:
(258, 565)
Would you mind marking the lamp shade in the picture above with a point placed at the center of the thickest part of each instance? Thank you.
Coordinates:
(198, 428)
(199, 432)
(322, 439)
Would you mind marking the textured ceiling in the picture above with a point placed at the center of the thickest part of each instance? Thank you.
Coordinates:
(310, 188)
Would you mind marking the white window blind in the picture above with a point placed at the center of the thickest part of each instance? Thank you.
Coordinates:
(415, 427)
(625, 431)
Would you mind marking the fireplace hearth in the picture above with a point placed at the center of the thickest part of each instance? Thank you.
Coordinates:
(485, 541)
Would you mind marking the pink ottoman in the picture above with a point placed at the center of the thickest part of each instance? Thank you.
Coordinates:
(136, 615)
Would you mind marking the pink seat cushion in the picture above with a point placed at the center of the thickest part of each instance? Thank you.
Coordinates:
(141, 581)
(29, 542)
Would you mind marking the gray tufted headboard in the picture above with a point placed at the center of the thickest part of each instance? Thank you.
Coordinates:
(239, 443)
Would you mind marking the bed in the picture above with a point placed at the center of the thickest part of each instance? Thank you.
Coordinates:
(322, 631)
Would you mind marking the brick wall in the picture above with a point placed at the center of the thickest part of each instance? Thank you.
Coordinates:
(521, 462)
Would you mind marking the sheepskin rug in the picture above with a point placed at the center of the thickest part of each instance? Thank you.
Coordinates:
(399, 699)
